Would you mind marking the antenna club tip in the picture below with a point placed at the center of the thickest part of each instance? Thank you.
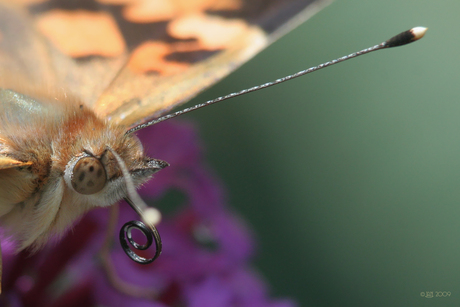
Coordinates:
(151, 216)
(418, 32)
(406, 37)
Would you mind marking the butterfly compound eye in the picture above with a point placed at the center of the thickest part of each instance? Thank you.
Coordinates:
(89, 176)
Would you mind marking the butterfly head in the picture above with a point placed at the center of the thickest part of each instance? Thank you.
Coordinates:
(94, 174)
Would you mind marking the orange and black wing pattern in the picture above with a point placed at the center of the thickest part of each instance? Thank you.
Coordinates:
(133, 60)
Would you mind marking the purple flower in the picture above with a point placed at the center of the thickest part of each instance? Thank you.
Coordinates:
(206, 246)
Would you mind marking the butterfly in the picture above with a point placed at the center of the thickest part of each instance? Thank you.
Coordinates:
(76, 76)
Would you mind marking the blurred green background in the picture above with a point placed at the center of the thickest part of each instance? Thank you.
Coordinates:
(351, 176)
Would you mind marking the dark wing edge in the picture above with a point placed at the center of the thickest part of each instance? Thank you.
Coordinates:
(132, 104)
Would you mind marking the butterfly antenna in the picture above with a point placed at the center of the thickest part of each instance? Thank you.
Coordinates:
(150, 217)
(401, 39)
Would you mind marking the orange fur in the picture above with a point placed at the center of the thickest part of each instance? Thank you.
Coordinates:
(35, 200)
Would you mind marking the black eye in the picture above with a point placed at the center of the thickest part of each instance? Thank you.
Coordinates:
(88, 176)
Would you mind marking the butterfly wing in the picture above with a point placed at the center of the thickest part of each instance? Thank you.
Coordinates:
(198, 49)
(132, 61)
(23, 52)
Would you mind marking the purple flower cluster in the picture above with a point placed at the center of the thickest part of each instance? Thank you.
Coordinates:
(206, 247)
